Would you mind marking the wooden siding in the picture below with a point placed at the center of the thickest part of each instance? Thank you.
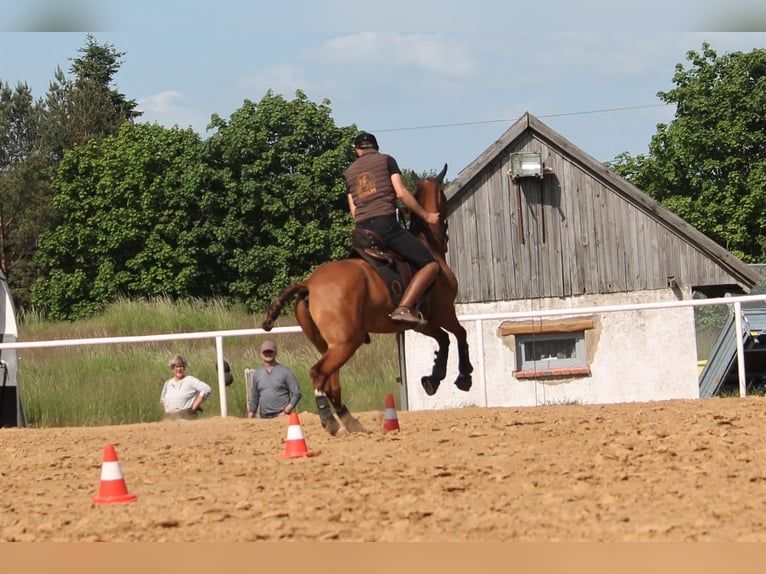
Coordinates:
(570, 234)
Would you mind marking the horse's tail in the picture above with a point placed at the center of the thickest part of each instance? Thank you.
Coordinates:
(298, 288)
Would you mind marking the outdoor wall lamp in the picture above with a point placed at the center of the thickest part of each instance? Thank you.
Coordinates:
(527, 164)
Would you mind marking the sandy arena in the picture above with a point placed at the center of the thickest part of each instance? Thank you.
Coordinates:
(663, 471)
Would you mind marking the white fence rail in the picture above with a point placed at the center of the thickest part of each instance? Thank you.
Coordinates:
(736, 303)
(219, 336)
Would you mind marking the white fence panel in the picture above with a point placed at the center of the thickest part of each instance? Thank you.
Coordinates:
(219, 336)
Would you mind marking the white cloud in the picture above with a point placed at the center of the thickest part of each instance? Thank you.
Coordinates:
(632, 55)
(431, 53)
(283, 79)
(164, 108)
(159, 103)
(374, 68)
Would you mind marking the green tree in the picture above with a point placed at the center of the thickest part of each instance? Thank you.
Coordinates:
(87, 105)
(709, 164)
(131, 222)
(34, 136)
(279, 208)
(154, 211)
(24, 190)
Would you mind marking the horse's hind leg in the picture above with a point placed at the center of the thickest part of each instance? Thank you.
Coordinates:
(334, 394)
(325, 377)
(319, 380)
(328, 420)
(316, 373)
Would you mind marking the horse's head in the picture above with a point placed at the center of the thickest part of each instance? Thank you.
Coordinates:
(430, 195)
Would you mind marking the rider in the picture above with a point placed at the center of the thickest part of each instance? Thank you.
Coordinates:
(374, 182)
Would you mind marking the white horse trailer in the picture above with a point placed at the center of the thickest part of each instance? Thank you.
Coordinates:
(11, 411)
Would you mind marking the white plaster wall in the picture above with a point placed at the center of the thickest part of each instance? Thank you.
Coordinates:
(636, 356)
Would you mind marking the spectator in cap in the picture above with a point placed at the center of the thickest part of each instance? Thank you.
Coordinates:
(273, 386)
(182, 395)
(374, 183)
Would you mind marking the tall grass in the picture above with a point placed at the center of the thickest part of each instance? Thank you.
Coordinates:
(121, 383)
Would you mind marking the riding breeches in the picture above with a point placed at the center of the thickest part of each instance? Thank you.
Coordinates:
(395, 237)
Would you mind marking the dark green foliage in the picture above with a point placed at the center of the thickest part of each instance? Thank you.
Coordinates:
(98, 207)
(153, 211)
(132, 222)
(24, 190)
(709, 164)
(279, 205)
(33, 138)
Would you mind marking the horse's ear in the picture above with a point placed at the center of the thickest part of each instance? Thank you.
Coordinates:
(415, 178)
(442, 173)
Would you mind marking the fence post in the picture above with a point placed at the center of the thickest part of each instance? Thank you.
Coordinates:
(221, 376)
(400, 346)
(739, 333)
(249, 373)
(480, 357)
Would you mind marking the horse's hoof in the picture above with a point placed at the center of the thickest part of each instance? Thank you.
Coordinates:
(430, 385)
(352, 424)
(464, 382)
(331, 427)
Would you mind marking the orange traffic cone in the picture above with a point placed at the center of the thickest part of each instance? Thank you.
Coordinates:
(295, 445)
(390, 422)
(112, 487)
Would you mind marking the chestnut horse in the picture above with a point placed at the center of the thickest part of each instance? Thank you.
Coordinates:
(343, 301)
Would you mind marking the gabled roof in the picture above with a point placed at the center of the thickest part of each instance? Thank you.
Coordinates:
(529, 123)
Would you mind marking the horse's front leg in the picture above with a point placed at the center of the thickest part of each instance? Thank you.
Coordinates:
(325, 377)
(465, 368)
(439, 371)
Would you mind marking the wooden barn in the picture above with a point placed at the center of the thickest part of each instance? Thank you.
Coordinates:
(535, 224)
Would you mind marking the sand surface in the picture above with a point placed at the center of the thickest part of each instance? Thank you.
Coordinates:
(663, 471)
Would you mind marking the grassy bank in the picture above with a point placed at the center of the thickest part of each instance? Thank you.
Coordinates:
(118, 384)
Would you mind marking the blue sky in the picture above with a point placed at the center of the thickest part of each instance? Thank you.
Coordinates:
(430, 97)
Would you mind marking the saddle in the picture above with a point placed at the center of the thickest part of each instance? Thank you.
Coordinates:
(394, 269)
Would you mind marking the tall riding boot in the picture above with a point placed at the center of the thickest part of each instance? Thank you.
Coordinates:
(421, 281)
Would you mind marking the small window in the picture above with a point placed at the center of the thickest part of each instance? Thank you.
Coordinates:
(550, 351)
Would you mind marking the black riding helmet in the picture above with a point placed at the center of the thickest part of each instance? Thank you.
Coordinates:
(365, 140)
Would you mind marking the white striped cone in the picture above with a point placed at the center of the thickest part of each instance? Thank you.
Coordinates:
(295, 444)
(112, 486)
(390, 420)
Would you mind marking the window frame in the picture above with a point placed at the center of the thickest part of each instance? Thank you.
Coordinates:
(530, 364)
(525, 331)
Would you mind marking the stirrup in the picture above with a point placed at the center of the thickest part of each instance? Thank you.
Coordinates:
(404, 315)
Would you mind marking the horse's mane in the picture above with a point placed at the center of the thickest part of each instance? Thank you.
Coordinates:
(430, 195)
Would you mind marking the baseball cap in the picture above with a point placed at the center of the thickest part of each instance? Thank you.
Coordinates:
(268, 346)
